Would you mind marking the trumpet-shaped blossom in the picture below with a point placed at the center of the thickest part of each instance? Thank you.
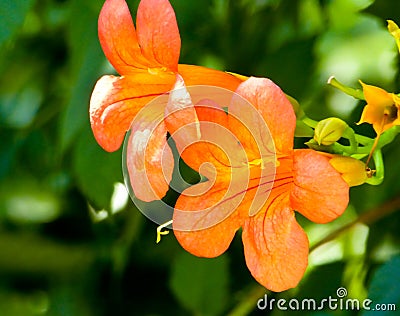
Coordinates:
(147, 60)
(275, 246)
(382, 109)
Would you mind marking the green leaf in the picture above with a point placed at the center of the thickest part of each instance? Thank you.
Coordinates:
(303, 130)
(328, 277)
(21, 97)
(96, 170)
(200, 284)
(24, 200)
(8, 148)
(385, 287)
(19, 110)
(12, 16)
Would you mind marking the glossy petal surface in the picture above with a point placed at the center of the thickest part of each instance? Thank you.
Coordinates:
(149, 158)
(114, 103)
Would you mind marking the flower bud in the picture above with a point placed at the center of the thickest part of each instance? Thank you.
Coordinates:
(329, 131)
(353, 171)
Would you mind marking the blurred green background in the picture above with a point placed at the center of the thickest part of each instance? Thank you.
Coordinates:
(72, 243)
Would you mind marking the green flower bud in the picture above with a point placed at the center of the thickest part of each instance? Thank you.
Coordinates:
(329, 131)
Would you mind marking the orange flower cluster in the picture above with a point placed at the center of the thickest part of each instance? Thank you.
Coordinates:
(275, 246)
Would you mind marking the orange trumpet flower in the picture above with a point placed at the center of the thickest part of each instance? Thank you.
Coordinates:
(147, 60)
(275, 246)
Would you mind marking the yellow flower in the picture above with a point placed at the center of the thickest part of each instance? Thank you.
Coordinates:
(382, 109)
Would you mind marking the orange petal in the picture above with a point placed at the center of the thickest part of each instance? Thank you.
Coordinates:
(149, 158)
(158, 33)
(198, 148)
(199, 211)
(213, 161)
(251, 129)
(115, 101)
(274, 107)
(118, 38)
(275, 246)
(181, 119)
(197, 75)
(202, 138)
(210, 111)
(218, 150)
(218, 145)
(319, 192)
(248, 135)
(180, 116)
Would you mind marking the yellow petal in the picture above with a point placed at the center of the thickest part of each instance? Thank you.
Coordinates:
(377, 102)
(352, 170)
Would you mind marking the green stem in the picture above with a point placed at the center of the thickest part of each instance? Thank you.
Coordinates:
(309, 122)
(351, 136)
(342, 149)
(386, 138)
(379, 167)
(336, 148)
(355, 93)
(363, 140)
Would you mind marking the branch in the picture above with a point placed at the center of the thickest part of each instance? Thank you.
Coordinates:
(372, 216)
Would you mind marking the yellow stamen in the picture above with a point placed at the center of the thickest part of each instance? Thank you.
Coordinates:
(391, 112)
(161, 232)
(263, 162)
(257, 162)
(158, 71)
(241, 77)
(370, 172)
